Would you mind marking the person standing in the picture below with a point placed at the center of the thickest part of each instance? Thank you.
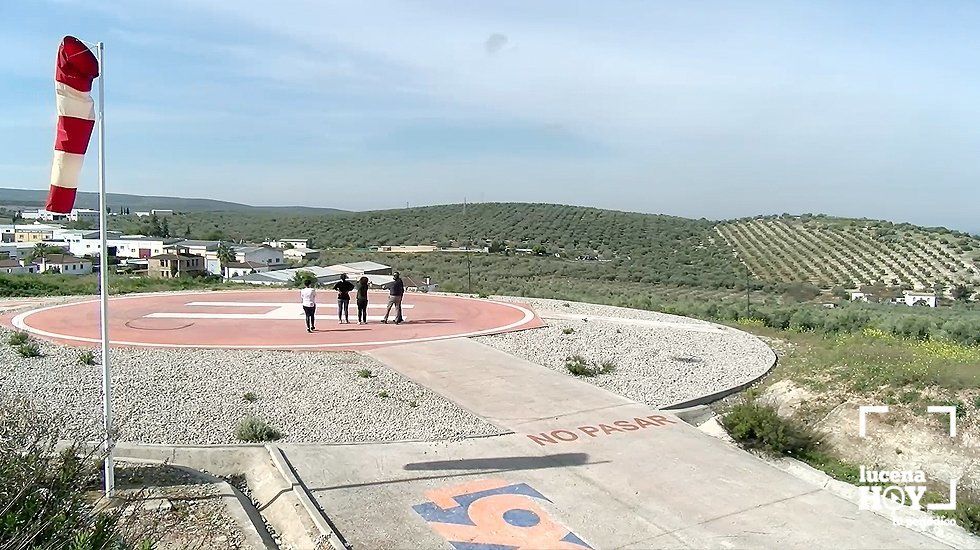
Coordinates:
(308, 298)
(362, 300)
(343, 288)
(395, 294)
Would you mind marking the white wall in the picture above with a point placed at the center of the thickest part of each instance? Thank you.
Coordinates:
(267, 256)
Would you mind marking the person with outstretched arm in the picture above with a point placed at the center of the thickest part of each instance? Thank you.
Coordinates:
(396, 291)
(343, 288)
(362, 300)
(308, 298)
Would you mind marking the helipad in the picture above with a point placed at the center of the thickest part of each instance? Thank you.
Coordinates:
(258, 319)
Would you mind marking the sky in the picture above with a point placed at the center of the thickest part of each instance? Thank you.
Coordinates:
(697, 109)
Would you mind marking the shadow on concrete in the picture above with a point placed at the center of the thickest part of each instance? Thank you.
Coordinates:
(503, 463)
(476, 467)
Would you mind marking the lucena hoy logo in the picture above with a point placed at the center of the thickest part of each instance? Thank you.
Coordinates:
(895, 489)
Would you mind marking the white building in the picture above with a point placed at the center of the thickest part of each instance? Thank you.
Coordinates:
(262, 254)
(300, 254)
(63, 263)
(84, 215)
(8, 233)
(286, 243)
(160, 213)
(138, 246)
(911, 298)
(77, 214)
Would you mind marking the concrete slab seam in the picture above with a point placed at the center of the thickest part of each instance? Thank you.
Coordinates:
(317, 516)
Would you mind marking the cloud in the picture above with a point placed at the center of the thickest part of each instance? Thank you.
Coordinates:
(495, 43)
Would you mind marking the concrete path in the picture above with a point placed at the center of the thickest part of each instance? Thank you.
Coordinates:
(583, 468)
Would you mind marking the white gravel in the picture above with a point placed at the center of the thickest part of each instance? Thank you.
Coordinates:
(187, 396)
(658, 364)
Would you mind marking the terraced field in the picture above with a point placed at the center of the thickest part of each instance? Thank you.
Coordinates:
(833, 251)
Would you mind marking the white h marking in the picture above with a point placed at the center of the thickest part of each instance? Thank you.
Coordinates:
(282, 311)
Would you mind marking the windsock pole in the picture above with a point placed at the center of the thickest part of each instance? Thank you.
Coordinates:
(108, 444)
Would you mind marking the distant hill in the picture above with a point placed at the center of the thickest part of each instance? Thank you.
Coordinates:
(646, 248)
(33, 198)
(838, 251)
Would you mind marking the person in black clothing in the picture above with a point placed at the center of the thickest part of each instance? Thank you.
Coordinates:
(343, 289)
(362, 300)
(395, 294)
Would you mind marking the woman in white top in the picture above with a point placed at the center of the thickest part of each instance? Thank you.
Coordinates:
(308, 296)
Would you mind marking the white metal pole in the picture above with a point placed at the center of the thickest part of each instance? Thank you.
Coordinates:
(110, 474)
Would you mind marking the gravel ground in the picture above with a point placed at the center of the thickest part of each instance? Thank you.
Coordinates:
(186, 396)
(177, 510)
(656, 365)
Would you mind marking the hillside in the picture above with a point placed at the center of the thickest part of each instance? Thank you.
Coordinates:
(33, 198)
(833, 251)
(633, 247)
(643, 248)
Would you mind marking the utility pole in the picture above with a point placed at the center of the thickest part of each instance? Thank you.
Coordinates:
(469, 265)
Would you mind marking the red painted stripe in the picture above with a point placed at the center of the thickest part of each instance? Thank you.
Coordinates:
(73, 134)
(60, 199)
(76, 66)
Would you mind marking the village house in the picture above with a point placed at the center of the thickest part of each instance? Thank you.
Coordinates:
(263, 254)
(63, 263)
(12, 267)
(34, 233)
(175, 264)
(300, 254)
(289, 243)
(911, 298)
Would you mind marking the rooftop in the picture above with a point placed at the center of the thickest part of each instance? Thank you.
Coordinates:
(359, 267)
(172, 256)
(61, 259)
(246, 265)
(287, 275)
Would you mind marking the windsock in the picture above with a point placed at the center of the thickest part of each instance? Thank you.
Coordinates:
(75, 70)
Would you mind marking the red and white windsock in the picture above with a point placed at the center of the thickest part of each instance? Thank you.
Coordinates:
(75, 70)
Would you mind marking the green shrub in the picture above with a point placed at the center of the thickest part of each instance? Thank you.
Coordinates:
(364, 373)
(45, 489)
(18, 338)
(567, 330)
(607, 366)
(383, 394)
(967, 514)
(87, 357)
(758, 426)
(29, 349)
(577, 365)
(256, 430)
(250, 397)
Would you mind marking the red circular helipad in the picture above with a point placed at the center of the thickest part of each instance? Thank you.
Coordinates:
(270, 319)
